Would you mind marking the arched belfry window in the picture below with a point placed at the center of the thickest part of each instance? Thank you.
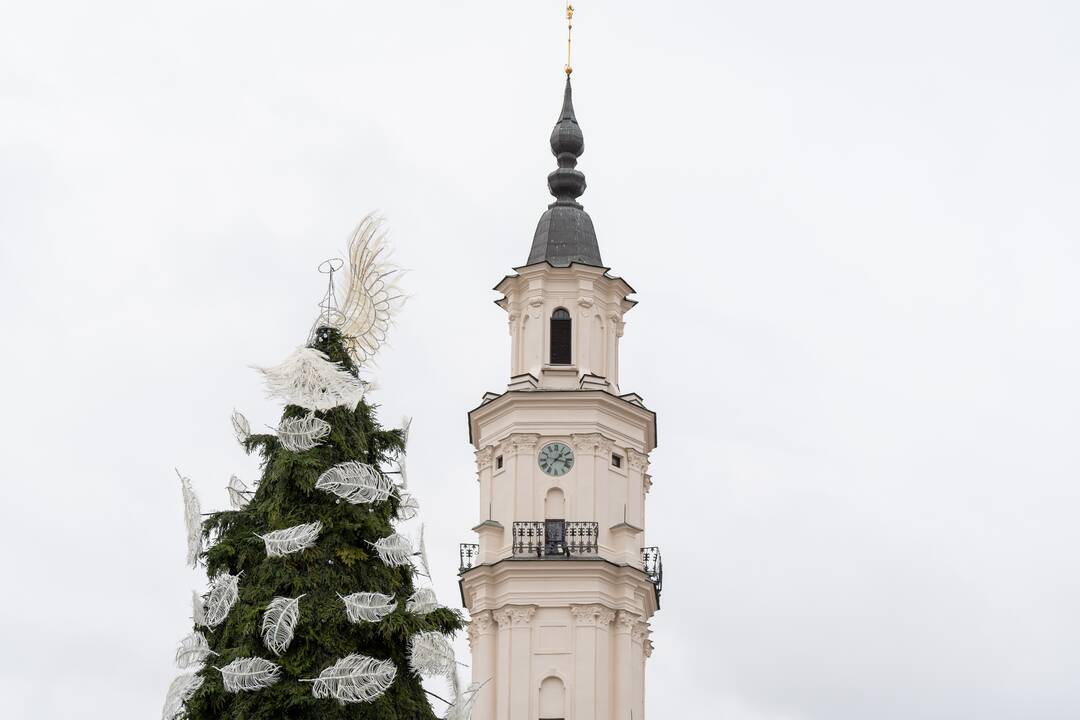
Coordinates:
(560, 337)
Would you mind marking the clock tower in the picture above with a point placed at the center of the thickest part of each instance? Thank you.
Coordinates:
(561, 583)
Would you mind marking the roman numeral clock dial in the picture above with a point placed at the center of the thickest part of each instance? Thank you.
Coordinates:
(556, 459)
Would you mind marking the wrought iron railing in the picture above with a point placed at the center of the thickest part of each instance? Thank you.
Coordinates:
(555, 538)
(469, 553)
(653, 566)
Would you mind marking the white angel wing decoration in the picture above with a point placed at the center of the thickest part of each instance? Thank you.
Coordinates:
(279, 623)
(192, 520)
(292, 539)
(369, 293)
(198, 609)
(356, 483)
(302, 433)
(239, 495)
(309, 378)
(193, 651)
(241, 426)
(394, 550)
(422, 602)
(355, 679)
(180, 691)
(246, 674)
(408, 508)
(368, 607)
(223, 596)
(430, 653)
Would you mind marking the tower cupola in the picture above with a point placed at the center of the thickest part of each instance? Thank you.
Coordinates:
(565, 233)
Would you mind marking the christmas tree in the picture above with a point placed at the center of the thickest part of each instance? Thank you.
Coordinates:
(314, 609)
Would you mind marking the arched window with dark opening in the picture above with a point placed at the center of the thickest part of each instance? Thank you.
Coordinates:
(560, 337)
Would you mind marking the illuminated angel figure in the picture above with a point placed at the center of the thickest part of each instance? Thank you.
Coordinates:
(368, 291)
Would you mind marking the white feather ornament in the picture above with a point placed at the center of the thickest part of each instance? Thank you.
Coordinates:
(422, 602)
(239, 495)
(368, 291)
(356, 483)
(406, 425)
(462, 707)
(241, 426)
(193, 651)
(247, 674)
(180, 691)
(309, 378)
(421, 556)
(291, 540)
(302, 433)
(368, 607)
(223, 596)
(430, 653)
(279, 623)
(408, 508)
(355, 679)
(198, 609)
(402, 473)
(192, 520)
(394, 550)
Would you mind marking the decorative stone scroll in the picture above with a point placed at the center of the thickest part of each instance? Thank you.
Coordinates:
(514, 616)
(594, 443)
(481, 624)
(484, 458)
(626, 622)
(638, 461)
(519, 443)
(592, 615)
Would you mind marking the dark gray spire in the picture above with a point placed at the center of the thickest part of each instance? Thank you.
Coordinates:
(565, 233)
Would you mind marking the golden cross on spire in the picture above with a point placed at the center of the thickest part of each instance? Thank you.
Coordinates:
(569, 34)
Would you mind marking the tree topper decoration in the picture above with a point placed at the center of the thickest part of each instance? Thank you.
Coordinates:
(369, 294)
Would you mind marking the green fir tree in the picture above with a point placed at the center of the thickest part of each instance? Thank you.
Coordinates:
(341, 562)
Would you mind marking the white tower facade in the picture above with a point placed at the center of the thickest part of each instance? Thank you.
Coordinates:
(561, 583)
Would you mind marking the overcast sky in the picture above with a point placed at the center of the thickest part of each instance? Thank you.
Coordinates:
(853, 230)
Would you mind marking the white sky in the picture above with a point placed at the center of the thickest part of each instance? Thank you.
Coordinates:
(852, 225)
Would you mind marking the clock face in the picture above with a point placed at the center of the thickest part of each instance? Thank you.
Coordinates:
(556, 459)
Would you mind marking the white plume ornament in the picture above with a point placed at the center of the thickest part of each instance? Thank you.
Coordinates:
(310, 379)
(356, 483)
(180, 691)
(406, 425)
(291, 540)
(422, 602)
(355, 679)
(462, 707)
(402, 473)
(241, 426)
(394, 550)
(193, 651)
(302, 433)
(279, 623)
(421, 556)
(408, 508)
(223, 596)
(368, 291)
(247, 674)
(368, 606)
(192, 520)
(430, 653)
(198, 609)
(239, 495)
